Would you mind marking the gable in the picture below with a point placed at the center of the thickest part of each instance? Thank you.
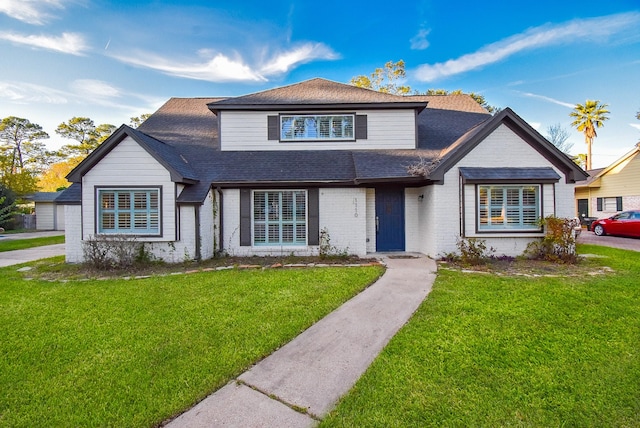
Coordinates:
(509, 148)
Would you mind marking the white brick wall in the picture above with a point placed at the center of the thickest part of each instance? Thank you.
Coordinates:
(628, 203)
(445, 227)
(343, 212)
(73, 234)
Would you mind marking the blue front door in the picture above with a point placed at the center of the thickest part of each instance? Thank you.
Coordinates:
(390, 219)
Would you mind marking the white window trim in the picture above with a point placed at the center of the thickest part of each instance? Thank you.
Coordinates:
(502, 227)
(317, 137)
(131, 231)
(295, 222)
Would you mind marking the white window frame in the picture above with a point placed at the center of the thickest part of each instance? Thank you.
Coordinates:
(269, 227)
(508, 208)
(610, 204)
(317, 127)
(122, 217)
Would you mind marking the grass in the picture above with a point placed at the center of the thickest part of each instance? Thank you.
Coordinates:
(21, 244)
(133, 353)
(490, 350)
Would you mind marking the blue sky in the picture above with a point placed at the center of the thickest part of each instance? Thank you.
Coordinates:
(110, 60)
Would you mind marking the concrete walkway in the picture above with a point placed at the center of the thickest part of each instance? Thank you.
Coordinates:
(10, 258)
(318, 367)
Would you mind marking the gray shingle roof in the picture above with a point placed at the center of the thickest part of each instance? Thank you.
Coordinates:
(183, 134)
(317, 92)
(70, 196)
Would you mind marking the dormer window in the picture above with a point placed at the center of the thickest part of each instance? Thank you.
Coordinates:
(308, 127)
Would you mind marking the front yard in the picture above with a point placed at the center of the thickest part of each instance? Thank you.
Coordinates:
(116, 352)
(512, 350)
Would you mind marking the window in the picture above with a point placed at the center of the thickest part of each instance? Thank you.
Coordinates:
(317, 127)
(134, 211)
(508, 207)
(280, 217)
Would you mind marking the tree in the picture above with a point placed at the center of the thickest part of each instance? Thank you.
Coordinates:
(85, 133)
(7, 205)
(383, 79)
(558, 136)
(54, 178)
(137, 120)
(586, 118)
(20, 144)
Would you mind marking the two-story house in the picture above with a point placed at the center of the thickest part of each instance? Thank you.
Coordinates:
(277, 171)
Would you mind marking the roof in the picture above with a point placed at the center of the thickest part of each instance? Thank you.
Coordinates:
(71, 196)
(315, 93)
(596, 174)
(499, 175)
(43, 196)
(183, 136)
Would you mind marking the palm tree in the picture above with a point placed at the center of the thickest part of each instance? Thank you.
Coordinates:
(587, 118)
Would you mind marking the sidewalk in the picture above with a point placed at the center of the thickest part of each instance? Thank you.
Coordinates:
(319, 366)
(10, 258)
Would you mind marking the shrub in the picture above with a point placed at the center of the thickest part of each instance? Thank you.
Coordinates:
(471, 252)
(113, 251)
(558, 244)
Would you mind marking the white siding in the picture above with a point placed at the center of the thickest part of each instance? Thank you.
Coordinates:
(128, 164)
(558, 197)
(386, 129)
(208, 226)
(59, 218)
(45, 212)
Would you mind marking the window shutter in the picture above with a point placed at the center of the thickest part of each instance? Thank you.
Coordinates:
(619, 203)
(273, 128)
(599, 204)
(313, 226)
(361, 127)
(245, 217)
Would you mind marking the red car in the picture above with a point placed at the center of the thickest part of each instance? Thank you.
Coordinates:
(626, 223)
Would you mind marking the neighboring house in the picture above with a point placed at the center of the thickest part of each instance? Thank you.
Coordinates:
(278, 171)
(612, 189)
(49, 214)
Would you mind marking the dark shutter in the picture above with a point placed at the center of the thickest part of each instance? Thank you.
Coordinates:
(599, 204)
(361, 127)
(313, 227)
(245, 217)
(273, 128)
(619, 203)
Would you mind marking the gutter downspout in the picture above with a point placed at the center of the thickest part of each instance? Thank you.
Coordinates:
(220, 216)
(196, 213)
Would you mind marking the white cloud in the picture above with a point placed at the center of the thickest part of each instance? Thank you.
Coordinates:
(545, 98)
(69, 43)
(285, 61)
(578, 30)
(419, 41)
(22, 93)
(217, 67)
(95, 88)
(220, 68)
(635, 125)
(29, 11)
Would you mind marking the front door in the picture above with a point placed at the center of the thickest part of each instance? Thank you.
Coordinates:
(390, 219)
(583, 208)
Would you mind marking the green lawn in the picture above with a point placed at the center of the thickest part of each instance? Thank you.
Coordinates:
(493, 351)
(21, 244)
(133, 353)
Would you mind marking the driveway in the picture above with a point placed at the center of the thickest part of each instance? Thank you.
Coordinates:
(10, 258)
(29, 235)
(609, 241)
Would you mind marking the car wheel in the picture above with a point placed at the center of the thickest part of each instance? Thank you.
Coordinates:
(599, 230)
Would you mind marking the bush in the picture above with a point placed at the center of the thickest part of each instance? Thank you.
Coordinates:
(471, 252)
(559, 242)
(113, 251)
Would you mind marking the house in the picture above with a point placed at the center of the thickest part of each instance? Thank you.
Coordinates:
(49, 214)
(280, 171)
(612, 189)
